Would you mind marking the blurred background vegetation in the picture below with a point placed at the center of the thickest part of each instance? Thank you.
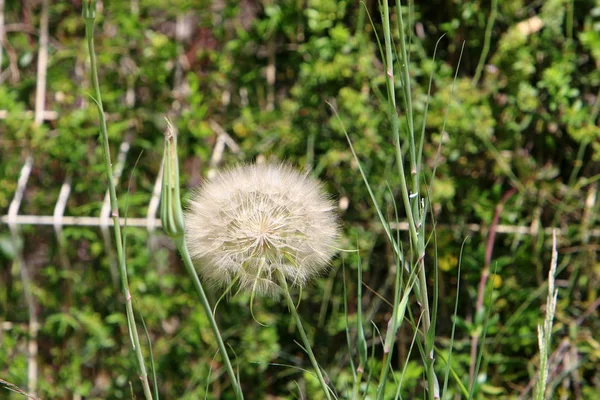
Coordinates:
(520, 154)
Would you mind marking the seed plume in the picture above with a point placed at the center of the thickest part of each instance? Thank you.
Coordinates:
(252, 222)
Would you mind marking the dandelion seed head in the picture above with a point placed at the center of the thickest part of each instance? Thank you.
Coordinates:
(252, 222)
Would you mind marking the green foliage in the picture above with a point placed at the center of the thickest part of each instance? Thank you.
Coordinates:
(265, 72)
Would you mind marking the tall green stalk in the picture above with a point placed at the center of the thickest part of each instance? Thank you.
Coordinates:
(487, 39)
(89, 16)
(173, 224)
(410, 198)
(303, 336)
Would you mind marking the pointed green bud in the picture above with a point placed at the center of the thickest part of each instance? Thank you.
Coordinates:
(171, 214)
(88, 11)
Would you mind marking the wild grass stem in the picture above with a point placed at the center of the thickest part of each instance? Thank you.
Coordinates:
(545, 330)
(411, 208)
(89, 16)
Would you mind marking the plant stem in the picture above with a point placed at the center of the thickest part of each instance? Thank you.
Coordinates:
(486, 42)
(412, 210)
(356, 388)
(313, 360)
(173, 224)
(89, 15)
(187, 261)
(545, 330)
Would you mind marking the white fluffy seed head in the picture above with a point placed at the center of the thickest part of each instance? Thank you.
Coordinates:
(255, 223)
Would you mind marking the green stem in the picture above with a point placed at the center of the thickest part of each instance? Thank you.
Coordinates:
(313, 360)
(89, 14)
(390, 336)
(408, 103)
(187, 261)
(486, 42)
(356, 388)
(395, 126)
(412, 210)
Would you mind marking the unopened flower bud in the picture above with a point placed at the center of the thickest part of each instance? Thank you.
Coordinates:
(171, 213)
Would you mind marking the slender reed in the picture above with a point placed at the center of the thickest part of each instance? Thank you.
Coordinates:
(410, 197)
(89, 16)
